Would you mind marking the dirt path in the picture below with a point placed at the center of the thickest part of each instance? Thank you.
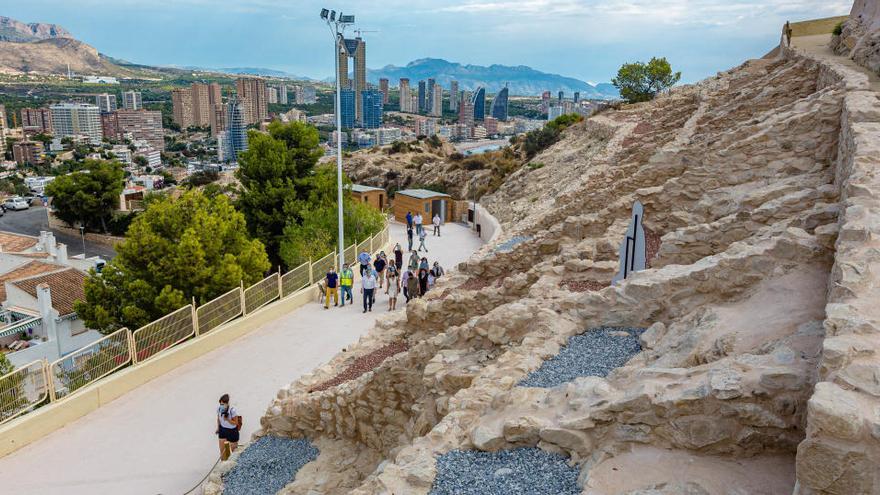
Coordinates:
(818, 45)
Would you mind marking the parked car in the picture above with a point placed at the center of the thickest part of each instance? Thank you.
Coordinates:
(16, 204)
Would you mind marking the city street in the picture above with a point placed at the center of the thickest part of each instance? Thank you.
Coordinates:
(35, 219)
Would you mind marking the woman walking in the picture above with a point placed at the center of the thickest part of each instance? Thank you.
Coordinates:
(414, 261)
(398, 255)
(228, 425)
(423, 282)
(412, 286)
(393, 287)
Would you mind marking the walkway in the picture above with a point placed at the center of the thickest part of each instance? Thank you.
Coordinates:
(818, 45)
(159, 438)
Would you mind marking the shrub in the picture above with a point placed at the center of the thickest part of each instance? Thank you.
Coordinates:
(536, 165)
(639, 81)
(838, 29)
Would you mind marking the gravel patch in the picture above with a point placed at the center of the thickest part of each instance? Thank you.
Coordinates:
(267, 465)
(593, 353)
(508, 245)
(582, 285)
(362, 365)
(523, 471)
(476, 283)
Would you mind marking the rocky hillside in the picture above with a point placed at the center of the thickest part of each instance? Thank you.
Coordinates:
(860, 35)
(13, 30)
(526, 371)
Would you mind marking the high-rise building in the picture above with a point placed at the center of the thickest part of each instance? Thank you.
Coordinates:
(304, 95)
(272, 94)
(545, 102)
(426, 126)
(561, 96)
(252, 98)
(106, 102)
(131, 100)
(36, 120)
(577, 96)
(499, 106)
(347, 110)
(423, 104)
(479, 103)
(466, 110)
(383, 87)
(453, 95)
(76, 119)
(282, 94)
(436, 100)
(429, 96)
(357, 50)
(27, 152)
(405, 96)
(144, 125)
(372, 109)
(236, 140)
(204, 96)
(218, 119)
(491, 125)
(2, 129)
(182, 107)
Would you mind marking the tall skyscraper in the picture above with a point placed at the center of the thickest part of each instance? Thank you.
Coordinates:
(545, 101)
(453, 95)
(235, 135)
(272, 94)
(252, 98)
(76, 119)
(204, 97)
(405, 96)
(499, 105)
(347, 110)
(383, 87)
(479, 103)
(106, 102)
(36, 120)
(561, 96)
(218, 119)
(577, 96)
(437, 100)
(422, 97)
(182, 107)
(131, 100)
(429, 96)
(466, 110)
(2, 129)
(357, 50)
(373, 107)
(282, 94)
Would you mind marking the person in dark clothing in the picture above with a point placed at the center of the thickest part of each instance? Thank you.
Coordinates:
(409, 219)
(398, 255)
(379, 264)
(409, 237)
(423, 282)
(412, 286)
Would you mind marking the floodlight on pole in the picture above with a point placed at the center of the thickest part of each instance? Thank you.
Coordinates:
(324, 14)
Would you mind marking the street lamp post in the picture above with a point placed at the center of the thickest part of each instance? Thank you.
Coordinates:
(334, 23)
(82, 233)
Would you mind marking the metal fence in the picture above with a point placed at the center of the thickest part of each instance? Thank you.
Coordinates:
(23, 389)
(295, 280)
(219, 311)
(91, 363)
(261, 293)
(35, 383)
(163, 333)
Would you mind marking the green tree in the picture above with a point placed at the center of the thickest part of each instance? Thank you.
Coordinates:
(274, 174)
(88, 197)
(638, 81)
(316, 235)
(177, 249)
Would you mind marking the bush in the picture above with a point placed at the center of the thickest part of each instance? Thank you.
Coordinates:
(456, 157)
(473, 164)
(838, 29)
(536, 165)
(639, 81)
(538, 140)
(202, 178)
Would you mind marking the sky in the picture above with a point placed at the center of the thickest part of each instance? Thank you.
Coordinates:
(586, 39)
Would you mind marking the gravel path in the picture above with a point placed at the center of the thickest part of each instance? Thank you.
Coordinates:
(593, 353)
(267, 465)
(523, 471)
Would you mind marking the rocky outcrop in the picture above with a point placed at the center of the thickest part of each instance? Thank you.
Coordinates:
(860, 35)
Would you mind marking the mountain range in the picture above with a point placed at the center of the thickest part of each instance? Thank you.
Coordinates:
(520, 79)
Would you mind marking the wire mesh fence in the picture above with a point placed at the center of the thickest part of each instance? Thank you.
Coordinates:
(364, 246)
(261, 293)
(295, 280)
(163, 333)
(91, 363)
(350, 254)
(219, 310)
(323, 265)
(23, 389)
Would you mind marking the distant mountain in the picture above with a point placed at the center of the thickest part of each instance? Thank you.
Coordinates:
(521, 80)
(12, 30)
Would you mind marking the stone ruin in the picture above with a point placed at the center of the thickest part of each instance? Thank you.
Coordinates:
(758, 369)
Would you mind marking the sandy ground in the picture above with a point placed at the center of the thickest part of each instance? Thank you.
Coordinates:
(159, 438)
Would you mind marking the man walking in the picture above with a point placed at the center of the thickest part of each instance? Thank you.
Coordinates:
(436, 223)
(364, 260)
(368, 287)
(331, 282)
(379, 265)
(346, 281)
(409, 219)
(422, 236)
(409, 237)
(418, 221)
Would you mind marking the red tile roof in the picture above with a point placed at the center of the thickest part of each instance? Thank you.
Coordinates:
(66, 287)
(29, 269)
(14, 243)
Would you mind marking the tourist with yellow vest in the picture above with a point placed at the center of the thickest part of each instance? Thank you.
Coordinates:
(346, 282)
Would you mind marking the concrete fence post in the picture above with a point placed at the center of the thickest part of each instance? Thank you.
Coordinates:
(311, 273)
(243, 305)
(50, 382)
(280, 288)
(195, 317)
(132, 348)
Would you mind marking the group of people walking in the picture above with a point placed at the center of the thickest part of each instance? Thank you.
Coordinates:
(413, 279)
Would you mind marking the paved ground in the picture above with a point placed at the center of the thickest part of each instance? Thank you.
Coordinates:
(819, 45)
(34, 219)
(159, 438)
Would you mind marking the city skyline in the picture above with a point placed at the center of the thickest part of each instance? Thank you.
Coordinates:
(699, 37)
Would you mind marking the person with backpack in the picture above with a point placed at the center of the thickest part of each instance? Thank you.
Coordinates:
(438, 270)
(228, 426)
(346, 282)
(380, 264)
(331, 283)
(364, 260)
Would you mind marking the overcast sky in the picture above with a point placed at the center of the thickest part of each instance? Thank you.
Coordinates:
(587, 39)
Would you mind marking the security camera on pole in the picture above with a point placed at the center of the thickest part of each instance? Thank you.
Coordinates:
(337, 27)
